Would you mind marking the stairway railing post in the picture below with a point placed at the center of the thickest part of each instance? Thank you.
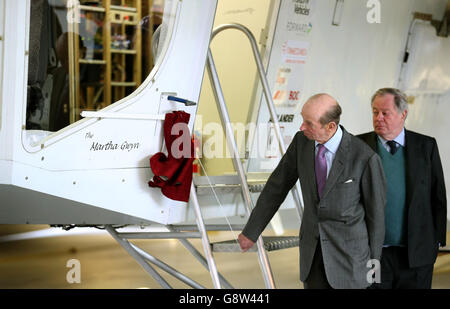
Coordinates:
(229, 135)
(296, 190)
(205, 240)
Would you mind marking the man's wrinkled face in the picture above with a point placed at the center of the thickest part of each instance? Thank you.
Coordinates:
(388, 121)
(311, 126)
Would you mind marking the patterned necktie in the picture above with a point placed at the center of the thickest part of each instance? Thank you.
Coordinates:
(321, 169)
(393, 146)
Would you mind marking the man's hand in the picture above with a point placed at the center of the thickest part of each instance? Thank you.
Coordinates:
(244, 242)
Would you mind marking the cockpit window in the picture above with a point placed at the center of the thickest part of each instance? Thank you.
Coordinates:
(87, 54)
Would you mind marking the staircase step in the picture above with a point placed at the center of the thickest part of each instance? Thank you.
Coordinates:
(271, 243)
(224, 184)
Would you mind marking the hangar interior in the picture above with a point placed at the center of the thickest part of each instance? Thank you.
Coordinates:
(66, 174)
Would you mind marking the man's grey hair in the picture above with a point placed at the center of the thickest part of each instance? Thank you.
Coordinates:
(400, 98)
(331, 115)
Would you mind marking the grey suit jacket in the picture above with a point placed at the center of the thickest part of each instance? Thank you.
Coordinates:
(348, 220)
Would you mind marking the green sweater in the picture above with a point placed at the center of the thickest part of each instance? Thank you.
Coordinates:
(395, 213)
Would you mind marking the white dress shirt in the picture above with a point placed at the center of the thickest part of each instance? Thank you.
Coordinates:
(400, 139)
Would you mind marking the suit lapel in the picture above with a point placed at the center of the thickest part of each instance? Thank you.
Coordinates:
(307, 169)
(372, 141)
(338, 163)
(412, 150)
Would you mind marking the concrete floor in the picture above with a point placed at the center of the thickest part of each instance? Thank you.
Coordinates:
(41, 262)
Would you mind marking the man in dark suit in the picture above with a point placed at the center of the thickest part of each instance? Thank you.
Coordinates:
(343, 189)
(416, 209)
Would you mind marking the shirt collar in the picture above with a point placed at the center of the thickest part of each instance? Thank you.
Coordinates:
(400, 139)
(332, 144)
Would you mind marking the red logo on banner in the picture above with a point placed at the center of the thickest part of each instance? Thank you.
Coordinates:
(279, 95)
(293, 95)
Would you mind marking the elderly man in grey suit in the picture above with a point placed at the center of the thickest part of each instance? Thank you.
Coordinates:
(344, 193)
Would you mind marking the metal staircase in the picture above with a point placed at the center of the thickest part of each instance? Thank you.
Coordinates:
(261, 245)
(185, 232)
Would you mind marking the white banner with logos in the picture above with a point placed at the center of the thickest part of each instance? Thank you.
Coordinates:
(286, 75)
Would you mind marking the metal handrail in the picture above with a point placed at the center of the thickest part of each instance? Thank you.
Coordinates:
(267, 93)
(226, 123)
(262, 255)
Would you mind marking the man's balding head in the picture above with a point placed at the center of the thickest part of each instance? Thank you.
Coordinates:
(321, 115)
(327, 108)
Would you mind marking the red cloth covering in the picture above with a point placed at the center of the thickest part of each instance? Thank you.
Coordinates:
(173, 173)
